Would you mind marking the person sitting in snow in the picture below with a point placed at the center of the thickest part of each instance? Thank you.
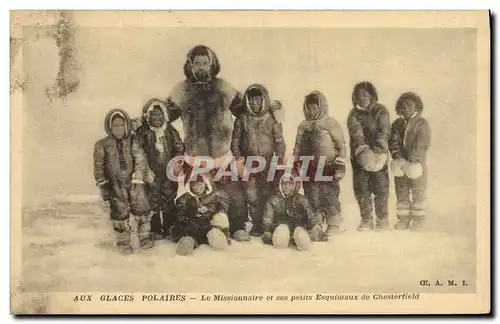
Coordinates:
(120, 167)
(258, 132)
(320, 135)
(202, 215)
(289, 218)
(161, 143)
(369, 129)
(409, 143)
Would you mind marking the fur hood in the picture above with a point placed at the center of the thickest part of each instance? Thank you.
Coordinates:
(297, 183)
(206, 179)
(188, 66)
(154, 103)
(109, 118)
(369, 87)
(266, 102)
(413, 97)
(323, 105)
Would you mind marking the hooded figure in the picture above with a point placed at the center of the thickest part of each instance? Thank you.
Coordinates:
(202, 216)
(369, 128)
(257, 132)
(287, 211)
(409, 142)
(119, 169)
(206, 104)
(161, 143)
(320, 135)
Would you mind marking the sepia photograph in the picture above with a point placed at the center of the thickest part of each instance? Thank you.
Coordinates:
(250, 162)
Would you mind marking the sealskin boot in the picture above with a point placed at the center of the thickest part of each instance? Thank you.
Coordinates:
(217, 239)
(122, 234)
(365, 225)
(403, 223)
(241, 236)
(382, 225)
(302, 239)
(417, 223)
(145, 239)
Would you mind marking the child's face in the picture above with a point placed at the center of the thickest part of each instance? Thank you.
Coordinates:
(156, 117)
(287, 187)
(201, 67)
(118, 127)
(408, 108)
(363, 98)
(313, 110)
(197, 187)
(255, 103)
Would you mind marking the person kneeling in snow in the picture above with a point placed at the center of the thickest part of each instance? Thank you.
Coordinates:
(289, 218)
(201, 216)
(119, 169)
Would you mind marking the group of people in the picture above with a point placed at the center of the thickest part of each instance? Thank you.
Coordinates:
(131, 162)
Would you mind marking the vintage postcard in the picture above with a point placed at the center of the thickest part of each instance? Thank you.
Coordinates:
(250, 162)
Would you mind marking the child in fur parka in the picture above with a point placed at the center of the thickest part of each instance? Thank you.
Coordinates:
(202, 215)
(321, 136)
(258, 132)
(409, 143)
(120, 168)
(369, 129)
(161, 143)
(289, 218)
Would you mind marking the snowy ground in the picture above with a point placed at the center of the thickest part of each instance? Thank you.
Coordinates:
(70, 247)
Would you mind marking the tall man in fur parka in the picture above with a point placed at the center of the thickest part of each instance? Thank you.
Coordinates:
(320, 135)
(120, 168)
(257, 133)
(369, 129)
(161, 142)
(206, 105)
(409, 143)
(289, 218)
(202, 215)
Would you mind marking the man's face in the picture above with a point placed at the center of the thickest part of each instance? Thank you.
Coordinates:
(287, 187)
(156, 117)
(197, 187)
(255, 103)
(408, 108)
(118, 127)
(201, 67)
(313, 110)
(363, 98)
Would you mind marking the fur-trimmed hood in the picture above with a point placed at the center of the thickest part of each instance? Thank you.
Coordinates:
(413, 97)
(206, 179)
(297, 183)
(109, 118)
(214, 63)
(154, 103)
(322, 102)
(369, 87)
(266, 102)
